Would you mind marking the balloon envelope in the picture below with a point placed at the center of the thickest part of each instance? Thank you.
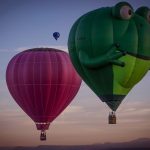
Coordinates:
(97, 44)
(43, 82)
(56, 35)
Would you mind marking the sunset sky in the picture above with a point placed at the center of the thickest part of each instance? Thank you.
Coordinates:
(30, 23)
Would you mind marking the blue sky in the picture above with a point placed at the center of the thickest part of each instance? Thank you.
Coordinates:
(31, 23)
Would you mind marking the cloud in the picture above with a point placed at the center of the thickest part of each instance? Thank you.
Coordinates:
(20, 49)
(74, 109)
(64, 48)
(86, 117)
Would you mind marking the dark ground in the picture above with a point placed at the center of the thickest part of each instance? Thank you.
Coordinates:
(139, 144)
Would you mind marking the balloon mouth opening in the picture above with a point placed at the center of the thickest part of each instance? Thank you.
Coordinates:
(42, 125)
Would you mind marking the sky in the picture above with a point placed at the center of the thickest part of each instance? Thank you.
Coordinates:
(30, 23)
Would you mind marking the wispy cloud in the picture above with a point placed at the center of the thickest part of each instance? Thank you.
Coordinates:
(43, 46)
(20, 49)
(86, 117)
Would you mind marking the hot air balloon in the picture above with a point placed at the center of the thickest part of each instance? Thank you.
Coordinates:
(110, 49)
(43, 82)
(56, 35)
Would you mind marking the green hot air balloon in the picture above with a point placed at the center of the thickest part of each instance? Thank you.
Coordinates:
(110, 49)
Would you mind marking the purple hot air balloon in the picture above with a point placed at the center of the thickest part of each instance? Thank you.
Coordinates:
(43, 82)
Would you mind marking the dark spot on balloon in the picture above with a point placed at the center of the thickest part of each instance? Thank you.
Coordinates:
(130, 12)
